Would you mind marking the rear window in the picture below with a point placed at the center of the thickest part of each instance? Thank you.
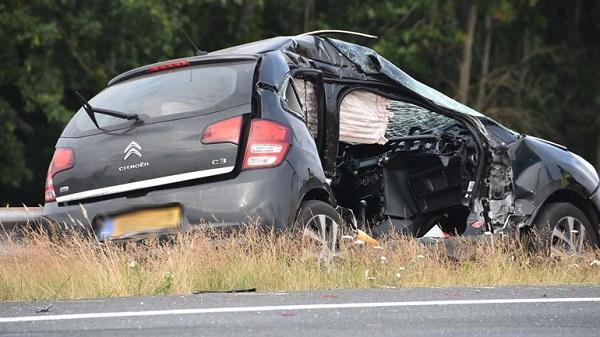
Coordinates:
(164, 95)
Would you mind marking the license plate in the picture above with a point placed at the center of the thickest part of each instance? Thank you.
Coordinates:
(142, 221)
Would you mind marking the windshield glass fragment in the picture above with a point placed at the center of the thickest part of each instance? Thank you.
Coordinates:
(365, 58)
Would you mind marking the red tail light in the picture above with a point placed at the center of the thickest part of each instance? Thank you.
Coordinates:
(225, 131)
(168, 65)
(63, 159)
(268, 143)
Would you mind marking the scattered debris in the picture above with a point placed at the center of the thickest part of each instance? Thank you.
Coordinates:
(366, 238)
(330, 295)
(44, 309)
(288, 314)
(436, 232)
(595, 263)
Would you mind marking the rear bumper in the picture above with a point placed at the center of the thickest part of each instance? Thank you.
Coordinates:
(265, 195)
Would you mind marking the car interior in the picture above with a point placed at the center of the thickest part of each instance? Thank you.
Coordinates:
(401, 167)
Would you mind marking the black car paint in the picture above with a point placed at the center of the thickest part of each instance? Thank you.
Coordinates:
(539, 170)
(159, 155)
(542, 169)
(208, 202)
(271, 195)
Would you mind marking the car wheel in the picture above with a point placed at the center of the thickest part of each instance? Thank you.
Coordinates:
(563, 230)
(321, 224)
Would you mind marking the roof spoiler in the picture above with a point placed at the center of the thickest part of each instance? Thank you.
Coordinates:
(337, 31)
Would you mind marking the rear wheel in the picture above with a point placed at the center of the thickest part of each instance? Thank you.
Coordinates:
(321, 224)
(563, 230)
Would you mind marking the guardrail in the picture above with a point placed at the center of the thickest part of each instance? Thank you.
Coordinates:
(11, 217)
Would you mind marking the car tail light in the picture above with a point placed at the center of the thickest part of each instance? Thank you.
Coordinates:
(225, 131)
(168, 65)
(63, 159)
(268, 143)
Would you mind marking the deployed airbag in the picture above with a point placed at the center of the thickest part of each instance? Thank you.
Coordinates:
(364, 117)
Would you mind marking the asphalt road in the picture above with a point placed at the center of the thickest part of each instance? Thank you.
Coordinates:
(502, 311)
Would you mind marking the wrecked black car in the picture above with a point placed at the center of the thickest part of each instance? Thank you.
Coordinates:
(314, 131)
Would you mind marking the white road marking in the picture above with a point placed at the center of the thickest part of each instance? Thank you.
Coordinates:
(291, 307)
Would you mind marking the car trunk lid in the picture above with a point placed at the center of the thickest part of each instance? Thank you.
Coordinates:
(150, 156)
(167, 146)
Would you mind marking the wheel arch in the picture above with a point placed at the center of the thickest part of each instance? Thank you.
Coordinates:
(312, 192)
(574, 198)
(319, 194)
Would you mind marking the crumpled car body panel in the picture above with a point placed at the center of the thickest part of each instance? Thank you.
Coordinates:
(528, 172)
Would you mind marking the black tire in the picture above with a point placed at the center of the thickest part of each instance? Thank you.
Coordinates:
(562, 229)
(320, 222)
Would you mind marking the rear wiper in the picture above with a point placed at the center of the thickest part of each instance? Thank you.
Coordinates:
(91, 111)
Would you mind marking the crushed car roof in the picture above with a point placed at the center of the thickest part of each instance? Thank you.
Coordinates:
(318, 48)
(365, 58)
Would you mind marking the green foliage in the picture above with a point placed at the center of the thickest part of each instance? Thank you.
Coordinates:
(542, 79)
(49, 50)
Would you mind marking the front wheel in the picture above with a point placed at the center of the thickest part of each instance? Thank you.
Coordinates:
(564, 230)
(321, 224)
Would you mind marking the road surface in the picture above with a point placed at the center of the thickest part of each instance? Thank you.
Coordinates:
(501, 311)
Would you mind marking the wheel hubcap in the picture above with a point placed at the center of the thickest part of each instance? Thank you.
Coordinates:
(568, 237)
(323, 230)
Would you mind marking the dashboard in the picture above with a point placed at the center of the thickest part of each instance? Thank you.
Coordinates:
(361, 166)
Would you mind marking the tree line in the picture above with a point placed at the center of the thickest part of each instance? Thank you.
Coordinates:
(532, 64)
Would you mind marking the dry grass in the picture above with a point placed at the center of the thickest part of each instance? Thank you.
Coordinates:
(38, 267)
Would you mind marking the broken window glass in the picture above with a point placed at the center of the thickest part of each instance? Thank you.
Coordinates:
(365, 58)
(370, 62)
(308, 100)
(368, 118)
(292, 103)
(407, 118)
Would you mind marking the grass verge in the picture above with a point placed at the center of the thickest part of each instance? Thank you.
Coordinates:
(40, 267)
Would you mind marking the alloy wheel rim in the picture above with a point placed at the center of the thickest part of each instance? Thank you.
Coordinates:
(324, 230)
(568, 237)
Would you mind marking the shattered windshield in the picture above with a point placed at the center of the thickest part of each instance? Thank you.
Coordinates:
(422, 90)
(406, 117)
(372, 63)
